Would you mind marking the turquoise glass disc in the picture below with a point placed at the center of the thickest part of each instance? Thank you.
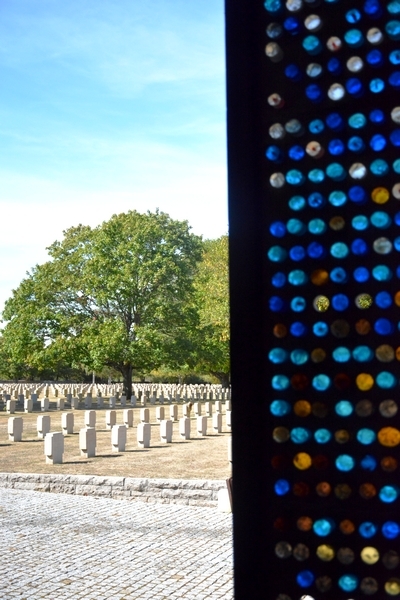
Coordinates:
(343, 408)
(366, 436)
(321, 382)
(341, 354)
(323, 527)
(297, 277)
(322, 436)
(363, 354)
(278, 355)
(388, 494)
(348, 583)
(280, 382)
(386, 380)
(280, 408)
(345, 462)
(299, 357)
(299, 435)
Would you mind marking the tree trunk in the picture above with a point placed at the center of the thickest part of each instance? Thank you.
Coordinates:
(223, 378)
(127, 372)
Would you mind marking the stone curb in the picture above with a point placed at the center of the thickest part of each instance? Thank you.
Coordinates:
(191, 492)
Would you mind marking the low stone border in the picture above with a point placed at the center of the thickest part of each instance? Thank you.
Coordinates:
(197, 492)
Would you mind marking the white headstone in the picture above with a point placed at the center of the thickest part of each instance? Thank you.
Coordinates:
(118, 438)
(43, 426)
(143, 435)
(67, 423)
(166, 427)
(15, 427)
(87, 442)
(54, 448)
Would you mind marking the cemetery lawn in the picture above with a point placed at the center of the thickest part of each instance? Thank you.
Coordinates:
(197, 458)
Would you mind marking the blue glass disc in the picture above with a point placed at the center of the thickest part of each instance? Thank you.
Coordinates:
(298, 304)
(320, 329)
(338, 275)
(314, 92)
(367, 529)
(334, 66)
(322, 436)
(305, 579)
(274, 154)
(369, 463)
(292, 25)
(383, 300)
(315, 250)
(388, 494)
(335, 121)
(359, 247)
(278, 229)
(296, 153)
(361, 274)
(366, 436)
(378, 142)
(276, 304)
(376, 85)
(394, 79)
(340, 302)
(297, 253)
(372, 8)
(391, 530)
(336, 147)
(280, 408)
(281, 487)
(316, 200)
(316, 126)
(395, 137)
(353, 15)
(394, 57)
(355, 144)
(343, 408)
(278, 280)
(383, 327)
(377, 116)
(354, 86)
(357, 194)
(345, 462)
(375, 58)
(298, 329)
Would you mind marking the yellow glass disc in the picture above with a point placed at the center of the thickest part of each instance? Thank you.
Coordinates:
(321, 303)
(392, 587)
(302, 461)
(380, 195)
(389, 437)
(325, 552)
(364, 301)
(369, 555)
(364, 381)
(319, 277)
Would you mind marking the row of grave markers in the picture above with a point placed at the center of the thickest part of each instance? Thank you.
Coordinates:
(54, 441)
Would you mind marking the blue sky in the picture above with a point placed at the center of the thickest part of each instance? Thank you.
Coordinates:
(107, 106)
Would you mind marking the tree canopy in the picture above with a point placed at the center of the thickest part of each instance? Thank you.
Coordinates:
(120, 295)
(212, 297)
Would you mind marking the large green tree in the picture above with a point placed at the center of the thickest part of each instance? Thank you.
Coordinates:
(212, 297)
(119, 295)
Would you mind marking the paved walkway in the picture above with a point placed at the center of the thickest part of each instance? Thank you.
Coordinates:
(63, 547)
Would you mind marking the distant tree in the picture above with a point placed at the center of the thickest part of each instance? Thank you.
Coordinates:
(212, 298)
(118, 296)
